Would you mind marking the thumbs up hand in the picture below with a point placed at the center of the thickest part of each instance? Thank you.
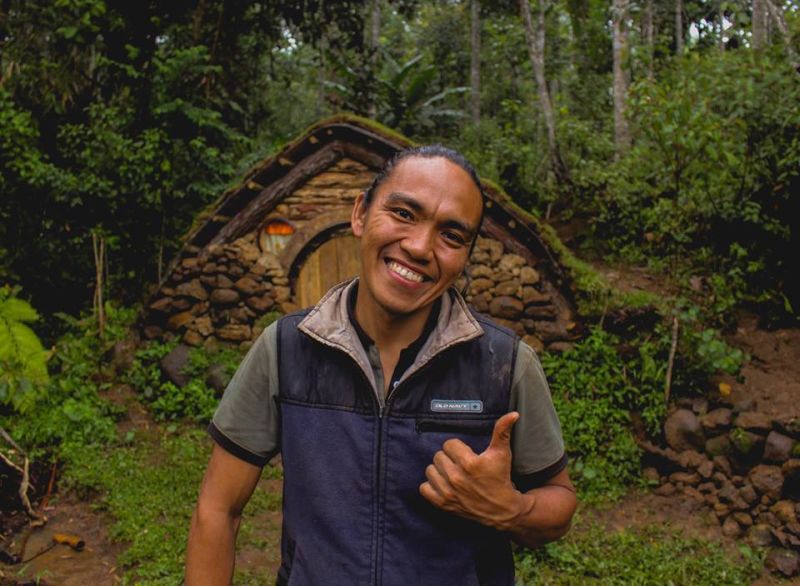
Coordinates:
(477, 486)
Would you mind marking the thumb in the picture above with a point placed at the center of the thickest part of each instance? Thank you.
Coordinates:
(501, 435)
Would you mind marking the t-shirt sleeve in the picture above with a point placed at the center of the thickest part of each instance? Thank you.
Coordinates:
(247, 421)
(536, 441)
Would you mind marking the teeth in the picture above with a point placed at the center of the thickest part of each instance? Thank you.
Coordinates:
(404, 272)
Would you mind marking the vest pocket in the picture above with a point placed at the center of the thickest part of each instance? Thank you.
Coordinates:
(460, 426)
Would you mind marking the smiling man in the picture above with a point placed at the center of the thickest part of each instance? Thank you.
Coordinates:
(417, 437)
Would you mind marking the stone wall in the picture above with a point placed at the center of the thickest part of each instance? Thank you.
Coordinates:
(742, 465)
(218, 294)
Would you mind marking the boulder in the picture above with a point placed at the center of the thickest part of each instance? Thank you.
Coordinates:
(217, 377)
(541, 312)
(778, 447)
(234, 332)
(491, 246)
(177, 321)
(759, 535)
(261, 303)
(685, 478)
(767, 480)
(223, 282)
(480, 285)
(748, 494)
(193, 289)
(509, 287)
(480, 272)
(532, 296)
(509, 262)
(173, 364)
(683, 432)
(784, 562)
(784, 510)
(479, 303)
(282, 294)
(533, 342)
(754, 421)
(716, 421)
(202, 324)
(743, 519)
(163, 305)
(747, 446)
(192, 338)
(718, 446)
(730, 528)
(528, 276)
(506, 307)
(224, 296)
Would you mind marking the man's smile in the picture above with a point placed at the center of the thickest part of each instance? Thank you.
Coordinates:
(405, 272)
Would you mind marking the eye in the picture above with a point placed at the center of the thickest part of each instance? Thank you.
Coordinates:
(454, 237)
(402, 213)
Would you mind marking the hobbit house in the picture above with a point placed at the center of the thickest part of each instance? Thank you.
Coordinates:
(280, 239)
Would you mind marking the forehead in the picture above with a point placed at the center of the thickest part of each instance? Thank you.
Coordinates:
(438, 184)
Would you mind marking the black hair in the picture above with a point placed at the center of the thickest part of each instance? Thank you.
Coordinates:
(429, 151)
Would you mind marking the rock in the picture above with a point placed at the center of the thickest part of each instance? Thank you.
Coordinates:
(747, 446)
(509, 262)
(707, 488)
(123, 354)
(700, 405)
(177, 321)
(479, 303)
(282, 294)
(778, 447)
(716, 421)
(754, 421)
(492, 247)
(551, 331)
(723, 464)
(528, 276)
(223, 282)
(248, 254)
(532, 296)
(217, 377)
(721, 510)
(282, 281)
(787, 540)
(509, 287)
(784, 510)
(706, 469)
(234, 332)
(480, 285)
(784, 562)
(560, 346)
(192, 338)
(768, 518)
(690, 459)
(748, 494)
(682, 431)
(730, 528)
(163, 305)
(651, 475)
(260, 304)
(767, 480)
(506, 307)
(533, 342)
(173, 364)
(693, 494)
(193, 289)
(685, 478)
(759, 535)
(241, 315)
(203, 325)
(728, 493)
(152, 332)
(788, 425)
(224, 296)
(288, 307)
(235, 271)
(190, 263)
(743, 519)
(665, 490)
(480, 272)
(794, 528)
(541, 312)
(210, 268)
(182, 303)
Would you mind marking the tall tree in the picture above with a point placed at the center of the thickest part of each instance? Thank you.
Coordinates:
(535, 38)
(678, 26)
(776, 12)
(475, 61)
(374, 41)
(759, 24)
(648, 27)
(622, 137)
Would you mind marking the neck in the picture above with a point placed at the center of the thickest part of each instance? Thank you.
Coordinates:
(388, 329)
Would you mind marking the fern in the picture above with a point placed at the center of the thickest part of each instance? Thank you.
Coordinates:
(23, 359)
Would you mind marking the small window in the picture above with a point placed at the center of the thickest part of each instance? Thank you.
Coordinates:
(274, 235)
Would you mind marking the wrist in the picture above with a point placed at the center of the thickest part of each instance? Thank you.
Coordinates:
(520, 507)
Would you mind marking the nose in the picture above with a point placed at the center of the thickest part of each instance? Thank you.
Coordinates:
(418, 244)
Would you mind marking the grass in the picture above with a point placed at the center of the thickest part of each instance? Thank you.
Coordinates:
(653, 555)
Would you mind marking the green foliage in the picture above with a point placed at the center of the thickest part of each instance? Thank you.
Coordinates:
(595, 387)
(69, 410)
(195, 401)
(649, 556)
(23, 359)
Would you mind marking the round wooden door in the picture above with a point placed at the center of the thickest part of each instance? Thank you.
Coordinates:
(336, 260)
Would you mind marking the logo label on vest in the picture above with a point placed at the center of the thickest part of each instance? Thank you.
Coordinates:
(456, 406)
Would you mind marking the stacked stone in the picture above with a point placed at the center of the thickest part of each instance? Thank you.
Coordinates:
(745, 467)
(218, 296)
(504, 286)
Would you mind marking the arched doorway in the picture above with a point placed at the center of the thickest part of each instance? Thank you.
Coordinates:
(334, 261)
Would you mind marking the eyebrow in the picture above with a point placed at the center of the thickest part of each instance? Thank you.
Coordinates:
(397, 197)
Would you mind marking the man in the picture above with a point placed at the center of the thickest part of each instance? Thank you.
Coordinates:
(393, 407)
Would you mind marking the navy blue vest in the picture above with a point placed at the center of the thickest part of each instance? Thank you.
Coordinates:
(353, 514)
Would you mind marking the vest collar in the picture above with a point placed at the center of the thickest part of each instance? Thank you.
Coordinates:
(329, 324)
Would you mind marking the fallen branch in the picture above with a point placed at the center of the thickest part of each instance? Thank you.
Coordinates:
(23, 486)
(671, 363)
(10, 441)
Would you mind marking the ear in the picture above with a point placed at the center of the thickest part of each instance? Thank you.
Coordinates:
(358, 215)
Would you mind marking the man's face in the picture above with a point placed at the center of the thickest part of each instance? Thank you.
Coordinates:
(416, 233)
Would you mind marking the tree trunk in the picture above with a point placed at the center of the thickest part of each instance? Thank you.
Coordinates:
(759, 24)
(649, 36)
(622, 138)
(776, 12)
(678, 27)
(720, 27)
(475, 62)
(536, 44)
(374, 41)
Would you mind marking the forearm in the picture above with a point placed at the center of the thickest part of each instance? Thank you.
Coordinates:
(545, 514)
(211, 547)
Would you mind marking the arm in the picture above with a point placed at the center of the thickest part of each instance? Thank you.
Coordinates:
(226, 488)
(479, 487)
